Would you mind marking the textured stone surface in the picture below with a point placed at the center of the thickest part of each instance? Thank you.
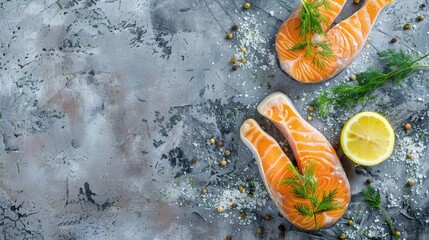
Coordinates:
(104, 103)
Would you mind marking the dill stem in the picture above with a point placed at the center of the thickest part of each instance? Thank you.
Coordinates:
(400, 70)
(388, 221)
(315, 221)
(420, 58)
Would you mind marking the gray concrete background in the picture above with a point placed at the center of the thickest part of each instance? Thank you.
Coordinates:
(105, 102)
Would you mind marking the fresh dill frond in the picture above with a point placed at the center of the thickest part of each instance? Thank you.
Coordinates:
(304, 186)
(374, 200)
(311, 17)
(372, 197)
(312, 22)
(303, 209)
(398, 65)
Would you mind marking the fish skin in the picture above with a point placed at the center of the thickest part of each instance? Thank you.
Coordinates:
(309, 146)
(346, 39)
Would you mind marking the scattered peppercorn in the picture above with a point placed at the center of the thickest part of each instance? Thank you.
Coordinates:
(342, 236)
(246, 5)
(398, 233)
(409, 155)
(411, 182)
(227, 152)
(251, 192)
(353, 77)
(220, 209)
(393, 40)
(408, 126)
(309, 118)
(267, 217)
(233, 60)
(234, 67)
(223, 163)
(234, 205)
(204, 190)
(234, 27)
(243, 215)
(369, 181)
(228, 237)
(423, 5)
(243, 49)
(357, 2)
(407, 26)
(286, 149)
(311, 108)
(194, 160)
(282, 230)
(420, 18)
(229, 36)
(336, 146)
(243, 60)
(350, 222)
(212, 141)
(241, 188)
(219, 143)
(260, 230)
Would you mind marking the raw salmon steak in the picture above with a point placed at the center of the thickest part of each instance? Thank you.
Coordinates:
(311, 149)
(346, 39)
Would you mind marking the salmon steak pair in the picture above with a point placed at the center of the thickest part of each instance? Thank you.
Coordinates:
(346, 39)
(311, 150)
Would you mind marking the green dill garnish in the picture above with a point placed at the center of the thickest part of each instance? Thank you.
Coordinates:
(305, 186)
(311, 23)
(397, 67)
(374, 201)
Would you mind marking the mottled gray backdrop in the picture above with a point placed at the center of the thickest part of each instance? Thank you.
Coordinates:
(104, 104)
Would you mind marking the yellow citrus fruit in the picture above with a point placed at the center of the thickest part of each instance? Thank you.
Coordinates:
(367, 138)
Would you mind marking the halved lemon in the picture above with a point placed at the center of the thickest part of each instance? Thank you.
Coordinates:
(367, 138)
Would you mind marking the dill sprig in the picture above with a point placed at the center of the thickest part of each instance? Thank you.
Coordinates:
(312, 22)
(373, 198)
(305, 186)
(398, 65)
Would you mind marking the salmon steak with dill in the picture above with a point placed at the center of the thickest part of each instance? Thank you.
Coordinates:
(317, 193)
(310, 50)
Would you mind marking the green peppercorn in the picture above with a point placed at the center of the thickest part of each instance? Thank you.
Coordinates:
(246, 5)
(352, 77)
(397, 233)
(243, 60)
(220, 209)
(227, 152)
(260, 230)
(342, 236)
(233, 60)
(350, 222)
(411, 182)
(223, 163)
(420, 18)
(407, 26)
(229, 36)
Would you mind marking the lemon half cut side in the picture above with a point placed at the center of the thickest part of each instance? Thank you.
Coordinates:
(367, 138)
